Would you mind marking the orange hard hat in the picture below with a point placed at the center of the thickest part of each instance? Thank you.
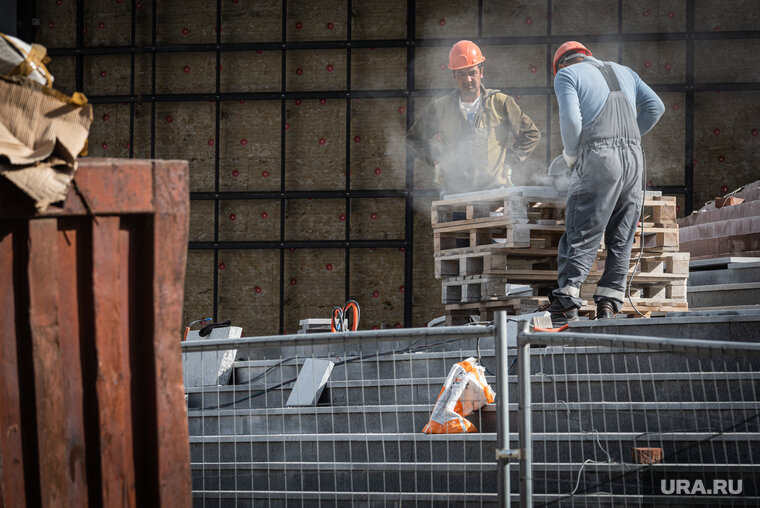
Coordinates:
(465, 54)
(568, 47)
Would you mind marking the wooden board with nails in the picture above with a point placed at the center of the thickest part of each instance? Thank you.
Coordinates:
(95, 292)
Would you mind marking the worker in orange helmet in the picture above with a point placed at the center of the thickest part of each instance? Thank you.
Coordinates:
(474, 136)
(604, 108)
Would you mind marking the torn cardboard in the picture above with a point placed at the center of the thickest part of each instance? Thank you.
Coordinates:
(41, 133)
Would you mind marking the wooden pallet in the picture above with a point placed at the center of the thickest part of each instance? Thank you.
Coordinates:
(660, 279)
(473, 289)
(528, 217)
(506, 236)
(494, 260)
(460, 314)
(490, 262)
(660, 210)
(521, 204)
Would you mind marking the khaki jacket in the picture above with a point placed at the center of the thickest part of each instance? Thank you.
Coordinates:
(472, 158)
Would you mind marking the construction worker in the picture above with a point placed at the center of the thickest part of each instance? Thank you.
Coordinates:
(601, 133)
(466, 134)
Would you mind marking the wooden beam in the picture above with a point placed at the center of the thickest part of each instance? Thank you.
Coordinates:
(48, 367)
(113, 377)
(12, 486)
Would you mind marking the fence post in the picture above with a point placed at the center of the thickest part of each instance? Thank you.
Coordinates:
(526, 424)
(502, 406)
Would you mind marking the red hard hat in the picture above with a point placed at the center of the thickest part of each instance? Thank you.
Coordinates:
(568, 47)
(465, 54)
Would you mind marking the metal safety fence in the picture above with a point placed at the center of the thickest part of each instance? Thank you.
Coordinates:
(336, 419)
(618, 420)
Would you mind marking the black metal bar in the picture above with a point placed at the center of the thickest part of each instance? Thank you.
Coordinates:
(133, 42)
(411, 22)
(620, 31)
(347, 273)
(24, 15)
(80, 44)
(480, 19)
(549, 83)
(377, 94)
(299, 244)
(283, 203)
(689, 113)
(217, 143)
(154, 12)
(316, 194)
(400, 43)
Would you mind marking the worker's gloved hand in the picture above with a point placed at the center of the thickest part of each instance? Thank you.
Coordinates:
(437, 176)
(506, 173)
(569, 159)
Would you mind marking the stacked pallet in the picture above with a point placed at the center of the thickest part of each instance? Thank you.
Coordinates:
(490, 245)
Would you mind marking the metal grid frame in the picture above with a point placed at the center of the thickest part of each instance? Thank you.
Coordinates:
(79, 51)
(705, 354)
(223, 474)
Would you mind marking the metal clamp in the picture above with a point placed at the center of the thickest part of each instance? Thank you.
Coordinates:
(509, 454)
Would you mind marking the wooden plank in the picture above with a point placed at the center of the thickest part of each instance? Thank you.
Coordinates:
(12, 486)
(70, 247)
(549, 275)
(170, 231)
(110, 186)
(113, 382)
(48, 367)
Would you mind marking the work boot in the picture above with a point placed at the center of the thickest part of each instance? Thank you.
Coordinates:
(605, 310)
(561, 317)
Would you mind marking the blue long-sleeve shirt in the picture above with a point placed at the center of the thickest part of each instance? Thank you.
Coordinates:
(582, 92)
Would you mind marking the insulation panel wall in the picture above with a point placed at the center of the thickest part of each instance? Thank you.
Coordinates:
(293, 115)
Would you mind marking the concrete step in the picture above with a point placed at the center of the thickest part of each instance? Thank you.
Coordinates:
(728, 326)
(633, 387)
(735, 273)
(549, 360)
(400, 477)
(717, 295)
(340, 349)
(547, 417)
(331, 499)
(678, 447)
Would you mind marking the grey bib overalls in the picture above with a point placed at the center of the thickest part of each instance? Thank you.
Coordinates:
(604, 197)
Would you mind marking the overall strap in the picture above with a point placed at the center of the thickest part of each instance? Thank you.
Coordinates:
(609, 75)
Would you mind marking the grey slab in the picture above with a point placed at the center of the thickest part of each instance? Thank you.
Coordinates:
(735, 274)
(728, 327)
(310, 382)
(550, 360)
(330, 499)
(210, 367)
(723, 295)
(615, 478)
(547, 417)
(687, 448)
(632, 386)
(368, 347)
(719, 262)
(745, 265)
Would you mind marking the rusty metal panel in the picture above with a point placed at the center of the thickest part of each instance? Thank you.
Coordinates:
(92, 409)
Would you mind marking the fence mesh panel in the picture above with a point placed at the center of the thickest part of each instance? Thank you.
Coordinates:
(361, 444)
(639, 426)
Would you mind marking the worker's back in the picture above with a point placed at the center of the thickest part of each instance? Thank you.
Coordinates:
(585, 80)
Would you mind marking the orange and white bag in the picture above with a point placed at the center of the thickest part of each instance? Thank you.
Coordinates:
(464, 391)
